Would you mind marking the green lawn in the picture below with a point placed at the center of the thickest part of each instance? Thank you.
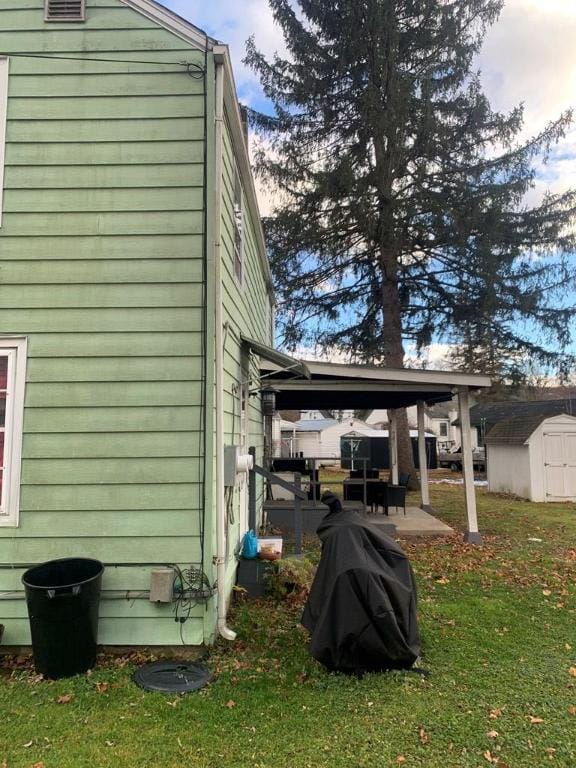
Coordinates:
(499, 639)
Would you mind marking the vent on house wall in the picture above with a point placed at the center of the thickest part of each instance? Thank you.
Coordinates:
(65, 10)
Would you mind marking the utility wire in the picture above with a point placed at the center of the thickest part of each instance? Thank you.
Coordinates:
(189, 65)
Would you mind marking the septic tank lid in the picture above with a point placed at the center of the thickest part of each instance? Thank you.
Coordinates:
(172, 676)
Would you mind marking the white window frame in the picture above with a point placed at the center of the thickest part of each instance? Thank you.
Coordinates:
(238, 227)
(15, 349)
(4, 67)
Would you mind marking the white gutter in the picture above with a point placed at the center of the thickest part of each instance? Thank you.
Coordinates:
(221, 520)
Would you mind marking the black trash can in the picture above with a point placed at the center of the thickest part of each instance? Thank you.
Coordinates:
(63, 598)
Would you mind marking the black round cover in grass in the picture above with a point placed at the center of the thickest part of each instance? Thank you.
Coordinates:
(172, 676)
(361, 612)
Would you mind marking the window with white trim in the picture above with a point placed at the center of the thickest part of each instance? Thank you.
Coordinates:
(12, 382)
(3, 112)
(238, 228)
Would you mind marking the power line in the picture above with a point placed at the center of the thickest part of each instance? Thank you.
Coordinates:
(189, 65)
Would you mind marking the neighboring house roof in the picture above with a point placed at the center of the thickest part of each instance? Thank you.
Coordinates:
(517, 431)
(315, 425)
(489, 414)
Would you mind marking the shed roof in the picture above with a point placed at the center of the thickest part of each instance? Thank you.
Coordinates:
(515, 431)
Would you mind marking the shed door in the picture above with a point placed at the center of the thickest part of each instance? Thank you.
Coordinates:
(560, 464)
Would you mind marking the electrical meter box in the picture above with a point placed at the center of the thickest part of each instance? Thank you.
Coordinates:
(235, 463)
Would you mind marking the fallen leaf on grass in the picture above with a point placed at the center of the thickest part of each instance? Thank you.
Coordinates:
(28, 744)
(443, 580)
(109, 743)
(534, 720)
(572, 671)
(423, 736)
(102, 687)
(572, 710)
(38, 765)
(400, 759)
(492, 734)
(66, 698)
(495, 713)
(546, 592)
(489, 756)
(231, 704)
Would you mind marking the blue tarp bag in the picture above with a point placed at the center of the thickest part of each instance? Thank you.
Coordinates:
(250, 546)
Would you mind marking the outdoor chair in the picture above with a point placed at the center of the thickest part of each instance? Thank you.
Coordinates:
(404, 479)
(377, 495)
(395, 496)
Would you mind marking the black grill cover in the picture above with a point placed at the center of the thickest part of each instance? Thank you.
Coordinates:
(361, 612)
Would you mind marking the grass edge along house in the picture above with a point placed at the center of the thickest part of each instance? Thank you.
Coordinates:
(132, 269)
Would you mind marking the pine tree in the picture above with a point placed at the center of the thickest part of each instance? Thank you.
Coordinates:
(401, 216)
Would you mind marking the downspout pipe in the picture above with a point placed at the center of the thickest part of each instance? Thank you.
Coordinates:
(221, 520)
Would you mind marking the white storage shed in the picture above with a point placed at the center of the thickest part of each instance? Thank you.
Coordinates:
(533, 457)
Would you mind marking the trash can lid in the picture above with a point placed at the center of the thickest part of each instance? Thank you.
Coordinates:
(167, 676)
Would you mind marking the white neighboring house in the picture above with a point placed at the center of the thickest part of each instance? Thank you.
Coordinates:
(283, 437)
(321, 437)
(437, 421)
(533, 457)
(380, 416)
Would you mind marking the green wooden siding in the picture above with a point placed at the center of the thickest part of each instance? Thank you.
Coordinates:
(100, 266)
(245, 311)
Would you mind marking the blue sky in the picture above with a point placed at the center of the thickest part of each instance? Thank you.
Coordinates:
(529, 56)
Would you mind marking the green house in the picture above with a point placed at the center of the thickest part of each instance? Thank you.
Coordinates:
(132, 276)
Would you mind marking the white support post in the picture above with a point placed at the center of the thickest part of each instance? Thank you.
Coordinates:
(423, 458)
(393, 442)
(472, 535)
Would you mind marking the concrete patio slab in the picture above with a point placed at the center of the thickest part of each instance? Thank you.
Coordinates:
(416, 522)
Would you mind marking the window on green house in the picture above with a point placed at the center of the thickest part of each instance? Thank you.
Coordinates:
(3, 111)
(12, 378)
(238, 228)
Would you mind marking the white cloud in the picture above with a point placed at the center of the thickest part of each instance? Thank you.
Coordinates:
(529, 56)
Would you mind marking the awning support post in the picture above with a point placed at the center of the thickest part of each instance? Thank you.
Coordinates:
(393, 434)
(472, 534)
(423, 458)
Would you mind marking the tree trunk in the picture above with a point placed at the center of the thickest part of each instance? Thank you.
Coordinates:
(394, 358)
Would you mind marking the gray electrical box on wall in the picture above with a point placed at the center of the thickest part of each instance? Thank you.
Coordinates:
(230, 462)
(162, 585)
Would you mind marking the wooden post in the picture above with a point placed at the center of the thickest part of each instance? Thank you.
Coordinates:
(423, 458)
(252, 493)
(472, 534)
(297, 516)
(393, 443)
